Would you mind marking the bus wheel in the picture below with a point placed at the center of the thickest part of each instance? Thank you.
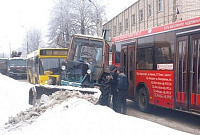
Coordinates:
(143, 100)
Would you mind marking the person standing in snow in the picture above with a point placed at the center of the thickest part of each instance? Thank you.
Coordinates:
(113, 85)
(122, 90)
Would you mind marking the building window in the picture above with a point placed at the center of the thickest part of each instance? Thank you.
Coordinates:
(141, 15)
(133, 19)
(150, 10)
(120, 27)
(114, 31)
(160, 5)
(126, 23)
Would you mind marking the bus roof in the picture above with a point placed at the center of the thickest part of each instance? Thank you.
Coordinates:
(160, 29)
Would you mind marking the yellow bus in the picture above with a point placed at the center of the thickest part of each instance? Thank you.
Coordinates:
(45, 63)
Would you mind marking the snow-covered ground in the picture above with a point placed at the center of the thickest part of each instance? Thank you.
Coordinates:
(75, 116)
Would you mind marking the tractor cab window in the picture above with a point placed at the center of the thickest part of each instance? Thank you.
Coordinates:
(88, 50)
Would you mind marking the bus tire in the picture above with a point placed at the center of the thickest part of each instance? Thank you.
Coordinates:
(143, 100)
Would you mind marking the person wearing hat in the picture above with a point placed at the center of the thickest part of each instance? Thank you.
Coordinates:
(122, 90)
(113, 84)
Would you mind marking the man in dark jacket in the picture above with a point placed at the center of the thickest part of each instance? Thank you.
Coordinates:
(113, 84)
(122, 89)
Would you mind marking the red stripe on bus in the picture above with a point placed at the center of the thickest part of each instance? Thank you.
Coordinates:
(159, 29)
(192, 98)
(198, 100)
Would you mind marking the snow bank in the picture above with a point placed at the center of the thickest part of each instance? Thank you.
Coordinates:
(78, 116)
(13, 97)
(74, 116)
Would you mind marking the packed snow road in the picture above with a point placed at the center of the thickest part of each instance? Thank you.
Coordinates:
(174, 119)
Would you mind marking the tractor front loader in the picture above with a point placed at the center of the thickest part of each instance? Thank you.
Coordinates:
(86, 67)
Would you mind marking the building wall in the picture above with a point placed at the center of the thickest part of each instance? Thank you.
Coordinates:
(123, 23)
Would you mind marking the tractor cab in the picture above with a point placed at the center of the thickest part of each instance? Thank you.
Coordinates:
(86, 61)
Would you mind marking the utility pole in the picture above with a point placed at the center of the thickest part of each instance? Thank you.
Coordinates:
(174, 11)
(10, 49)
(26, 41)
(27, 44)
(82, 19)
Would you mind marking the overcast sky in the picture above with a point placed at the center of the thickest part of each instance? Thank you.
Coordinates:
(19, 15)
(114, 7)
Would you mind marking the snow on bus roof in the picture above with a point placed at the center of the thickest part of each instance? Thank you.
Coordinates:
(160, 29)
(15, 58)
(83, 35)
(3, 58)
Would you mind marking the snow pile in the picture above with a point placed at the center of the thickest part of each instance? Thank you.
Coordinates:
(72, 116)
(47, 102)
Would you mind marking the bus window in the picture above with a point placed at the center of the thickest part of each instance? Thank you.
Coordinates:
(145, 58)
(164, 48)
(118, 52)
(144, 54)
(163, 53)
(117, 57)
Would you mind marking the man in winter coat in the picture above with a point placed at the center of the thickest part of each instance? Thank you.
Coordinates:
(122, 89)
(113, 84)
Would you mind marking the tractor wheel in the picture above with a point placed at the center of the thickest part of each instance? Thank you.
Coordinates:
(32, 96)
(105, 91)
(143, 100)
(29, 79)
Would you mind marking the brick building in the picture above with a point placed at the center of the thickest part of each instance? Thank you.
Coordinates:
(145, 14)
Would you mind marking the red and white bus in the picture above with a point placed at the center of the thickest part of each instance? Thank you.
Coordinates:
(162, 65)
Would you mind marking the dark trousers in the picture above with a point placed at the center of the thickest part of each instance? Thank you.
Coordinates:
(114, 101)
(121, 105)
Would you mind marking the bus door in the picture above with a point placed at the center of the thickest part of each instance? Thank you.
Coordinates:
(194, 73)
(124, 59)
(181, 92)
(188, 92)
(128, 58)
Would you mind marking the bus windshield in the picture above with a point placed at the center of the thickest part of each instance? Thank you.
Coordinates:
(17, 62)
(90, 50)
(50, 64)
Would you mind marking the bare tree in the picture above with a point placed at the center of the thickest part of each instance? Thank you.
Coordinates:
(32, 41)
(59, 24)
(70, 17)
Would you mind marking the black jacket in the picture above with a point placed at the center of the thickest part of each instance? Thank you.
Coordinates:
(113, 82)
(122, 82)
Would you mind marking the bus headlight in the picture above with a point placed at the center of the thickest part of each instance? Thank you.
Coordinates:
(63, 67)
(89, 71)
